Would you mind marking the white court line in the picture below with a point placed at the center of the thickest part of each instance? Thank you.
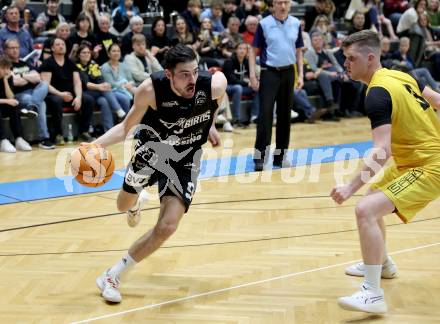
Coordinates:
(218, 291)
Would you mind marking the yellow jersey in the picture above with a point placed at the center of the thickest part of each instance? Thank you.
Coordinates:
(415, 128)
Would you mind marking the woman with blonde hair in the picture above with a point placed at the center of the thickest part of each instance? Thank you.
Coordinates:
(322, 24)
(91, 10)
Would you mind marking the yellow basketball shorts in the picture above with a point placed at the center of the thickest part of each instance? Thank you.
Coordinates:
(410, 190)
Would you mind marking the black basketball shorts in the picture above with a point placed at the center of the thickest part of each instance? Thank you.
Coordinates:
(174, 178)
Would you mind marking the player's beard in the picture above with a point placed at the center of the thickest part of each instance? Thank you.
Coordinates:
(189, 91)
(186, 92)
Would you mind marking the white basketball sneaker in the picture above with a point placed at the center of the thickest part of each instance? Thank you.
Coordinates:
(134, 215)
(389, 269)
(365, 300)
(109, 287)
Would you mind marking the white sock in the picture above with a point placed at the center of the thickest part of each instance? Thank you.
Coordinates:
(120, 113)
(372, 276)
(385, 256)
(125, 264)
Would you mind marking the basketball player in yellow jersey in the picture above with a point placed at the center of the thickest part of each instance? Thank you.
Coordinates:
(404, 125)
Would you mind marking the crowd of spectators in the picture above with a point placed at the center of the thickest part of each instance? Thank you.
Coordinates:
(95, 59)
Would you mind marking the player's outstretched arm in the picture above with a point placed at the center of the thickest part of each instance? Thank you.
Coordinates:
(379, 155)
(143, 99)
(218, 90)
(432, 97)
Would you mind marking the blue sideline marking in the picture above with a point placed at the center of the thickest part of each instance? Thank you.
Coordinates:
(29, 190)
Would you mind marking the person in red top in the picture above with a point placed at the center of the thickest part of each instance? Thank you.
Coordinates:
(251, 24)
(393, 9)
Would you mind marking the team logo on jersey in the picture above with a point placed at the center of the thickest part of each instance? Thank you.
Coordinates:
(183, 123)
(180, 122)
(169, 104)
(200, 97)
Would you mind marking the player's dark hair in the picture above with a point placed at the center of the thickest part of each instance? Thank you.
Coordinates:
(179, 54)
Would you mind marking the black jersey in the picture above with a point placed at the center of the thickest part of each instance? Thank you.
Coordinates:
(179, 122)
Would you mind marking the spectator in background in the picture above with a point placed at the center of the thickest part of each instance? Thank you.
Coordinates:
(372, 17)
(182, 34)
(322, 24)
(136, 27)
(269, 9)
(10, 107)
(208, 45)
(78, 6)
(321, 7)
(404, 59)
(159, 42)
(280, 41)
(104, 38)
(215, 14)
(63, 32)
(122, 16)
(305, 35)
(29, 90)
(192, 16)
(357, 23)
(303, 105)
(26, 20)
(425, 45)
(65, 89)
(393, 9)
(229, 10)
(248, 8)
(236, 70)
(116, 73)
(433, 13)
(95, 86)
(91, 10)
(410, 17)
(401, 55)
(230, 38)
(83, 33)
(386, 56)
(141, 63)
(324, 68)
(13, 30)
(251, 24)
(51, 18)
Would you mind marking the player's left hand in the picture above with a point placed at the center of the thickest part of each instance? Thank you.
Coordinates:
(341, 194)
(214, 137)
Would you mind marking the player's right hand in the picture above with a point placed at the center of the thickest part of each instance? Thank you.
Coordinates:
(214, 137)
(341, 194)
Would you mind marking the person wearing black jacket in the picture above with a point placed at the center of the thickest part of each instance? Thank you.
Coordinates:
(104, 38)
(236, 70)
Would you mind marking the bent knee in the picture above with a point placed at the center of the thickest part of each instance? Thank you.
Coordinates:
(165, 230)
(362, 212)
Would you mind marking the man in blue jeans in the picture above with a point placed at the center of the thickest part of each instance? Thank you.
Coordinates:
(236, 71)
(29, 90)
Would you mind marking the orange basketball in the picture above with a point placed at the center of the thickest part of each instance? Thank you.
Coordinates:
(92, 165)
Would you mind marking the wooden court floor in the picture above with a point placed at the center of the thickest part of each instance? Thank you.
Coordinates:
(265, 251)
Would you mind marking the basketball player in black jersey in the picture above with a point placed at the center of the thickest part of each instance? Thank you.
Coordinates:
(174, 110)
